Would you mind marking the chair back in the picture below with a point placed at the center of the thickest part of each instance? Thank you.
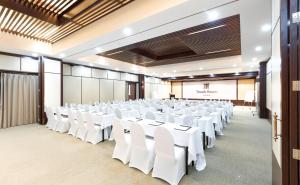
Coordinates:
(89, 120)
(137, 135)
(118, 131)
(150, 115)
(188, 120)
(164, 142)
(58, 114)
(171, 118)
(79, 117)
(118, 113)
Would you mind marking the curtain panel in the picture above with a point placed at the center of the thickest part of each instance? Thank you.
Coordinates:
(18, 99)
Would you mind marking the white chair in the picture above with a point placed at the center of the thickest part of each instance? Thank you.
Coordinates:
(118, 113)
(63, 124)
(171, 118)
(150, 115)
(52, 119)
(123, 142)
(169, 163)
(94, 134)
(188, 120)
(74, 124)
(82, 130)
(142, 149)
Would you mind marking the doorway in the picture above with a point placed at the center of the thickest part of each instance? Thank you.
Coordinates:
(131, 90)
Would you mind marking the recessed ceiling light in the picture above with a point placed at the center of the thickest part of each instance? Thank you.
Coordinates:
(117, 69)
(252, 66)
(174, 71)
(237, 73)
(258, 48)
(98, 49)
(34, 54)
(212, 15)
(191, 76)
(91, 64)
(234, 65)
(266, 27)
(62, 55)
(204, 30)
(254, 59)
(127, 31)
(211, 74)
(201, 68)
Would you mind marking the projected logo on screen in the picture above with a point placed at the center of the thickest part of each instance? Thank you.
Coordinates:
(205, 91)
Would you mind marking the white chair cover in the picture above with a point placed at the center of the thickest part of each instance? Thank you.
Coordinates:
(169, 163)
(142, 149)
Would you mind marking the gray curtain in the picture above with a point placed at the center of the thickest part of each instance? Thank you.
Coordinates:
(18, 99)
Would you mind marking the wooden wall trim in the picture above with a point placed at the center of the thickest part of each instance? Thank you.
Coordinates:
(41, 91)
(141, 86)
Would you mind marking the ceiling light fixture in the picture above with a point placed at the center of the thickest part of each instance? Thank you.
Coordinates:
(91, 64)
(234, 65)
(117, 69)
(258, 48)
(127, 31)
(114, 53)
(237, 73)
(266, 27)
(34, 55)
(212, 15)
(98, 49)
(62, 55)
(201, 68)
(219, 51)
(174, 71)
(254, 59)
(204, 30)
(191, 76)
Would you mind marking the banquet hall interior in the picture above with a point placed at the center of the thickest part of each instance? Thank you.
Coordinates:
(149, 92)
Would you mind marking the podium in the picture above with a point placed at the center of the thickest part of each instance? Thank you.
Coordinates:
(172, 96)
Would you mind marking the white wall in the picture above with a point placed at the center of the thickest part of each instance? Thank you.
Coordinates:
(155, 88)
(93, 85)
(52, 82)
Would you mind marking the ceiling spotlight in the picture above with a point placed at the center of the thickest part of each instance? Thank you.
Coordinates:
(212, 15)
(127, 31)
(117, 69)
(201, 68)
(237, 73)
(258, 48)
(34, 54)
(234, 65)
(102, 61)
(174, 71)
(266, 27)
(62, 55)
(98, 49)
(91, 64)
(191, 76)
(252, 66)
(211, 74)
(254, 59)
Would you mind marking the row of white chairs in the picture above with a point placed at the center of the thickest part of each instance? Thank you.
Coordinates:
(161, 154)
(79, 125)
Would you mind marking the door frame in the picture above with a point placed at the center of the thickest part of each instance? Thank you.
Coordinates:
(290, 102)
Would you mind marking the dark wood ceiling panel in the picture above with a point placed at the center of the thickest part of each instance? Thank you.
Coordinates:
(51, 21)
(220, 38)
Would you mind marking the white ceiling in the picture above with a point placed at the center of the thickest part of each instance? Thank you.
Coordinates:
(146, 19)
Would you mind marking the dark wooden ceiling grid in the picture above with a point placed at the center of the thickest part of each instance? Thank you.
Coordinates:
(195, 43)
(51, 21)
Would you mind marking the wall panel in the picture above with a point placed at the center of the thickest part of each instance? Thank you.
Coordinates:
(29, 64)
(246, 88)
(106, 90)
(90, 90)
(52, 89)
(72, 89)
(119, 90)
(177, 89)
(9, 63)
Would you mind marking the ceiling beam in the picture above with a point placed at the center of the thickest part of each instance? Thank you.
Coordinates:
(33, 11)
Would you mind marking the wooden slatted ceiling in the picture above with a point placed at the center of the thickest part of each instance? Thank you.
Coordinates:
(215, 39)
(22, 24)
